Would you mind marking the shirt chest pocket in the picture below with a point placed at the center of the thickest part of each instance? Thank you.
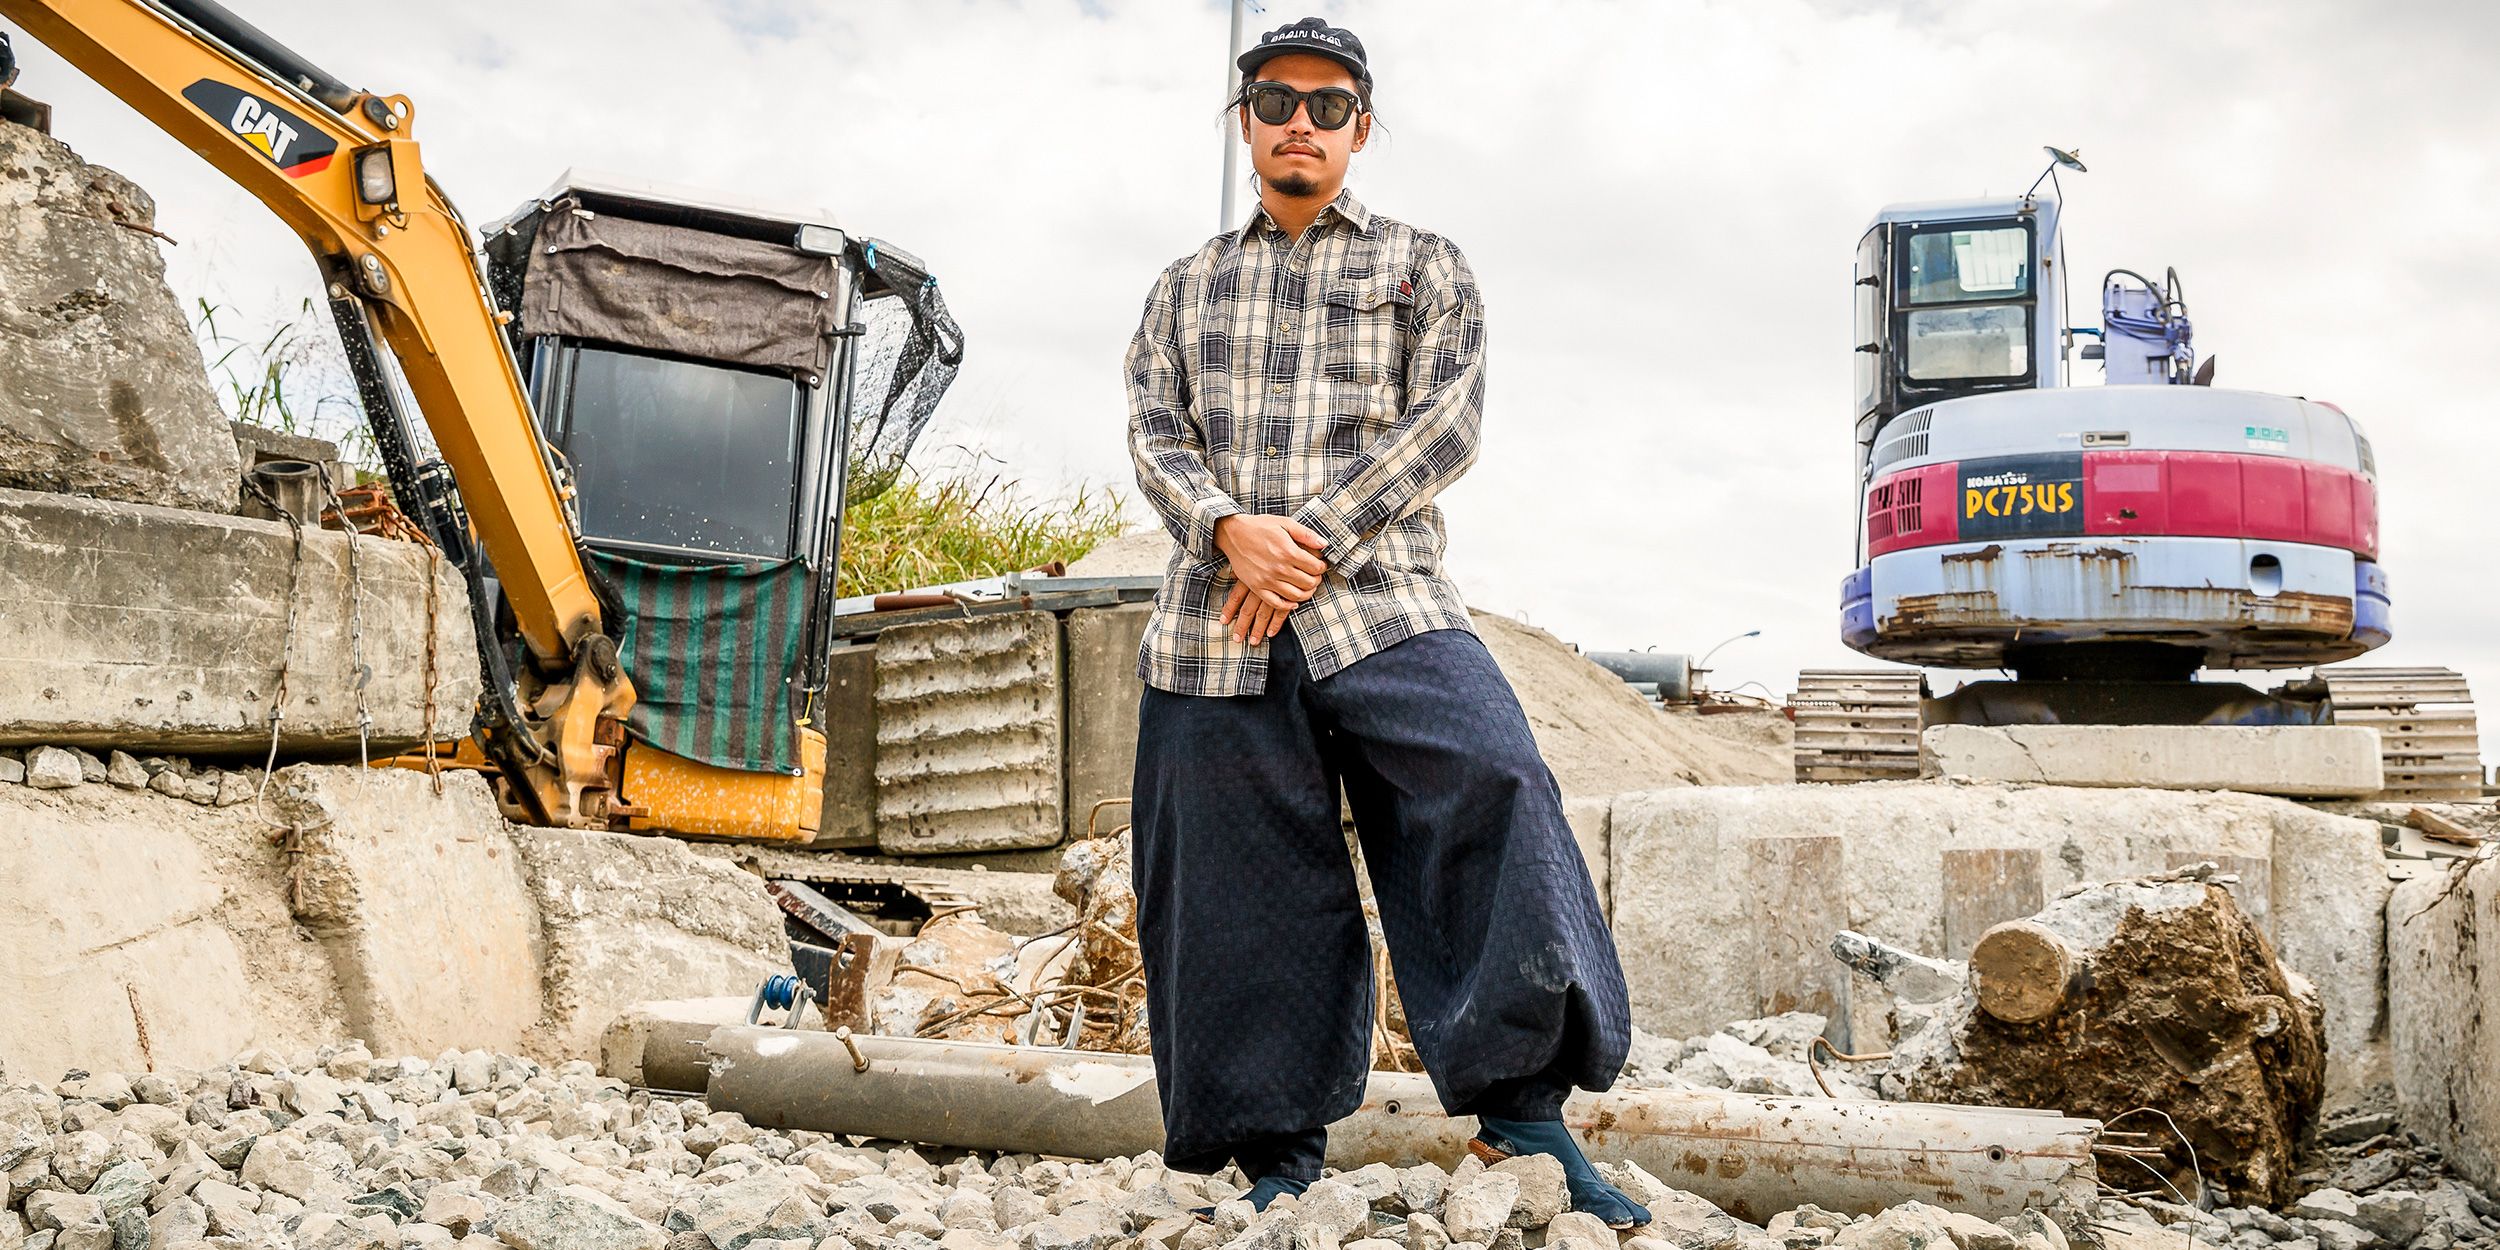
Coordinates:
(1363, 339)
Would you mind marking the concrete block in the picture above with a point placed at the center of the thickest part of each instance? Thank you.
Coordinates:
(102, 390)
(624, 918)
(1103, 690)
(1684, 883)
(157, 629)
(2443, 959)
(2295, 761)
(848, 717)
(421, 901)
(969, 733)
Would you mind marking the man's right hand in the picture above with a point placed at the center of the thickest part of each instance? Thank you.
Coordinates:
(1275, 558)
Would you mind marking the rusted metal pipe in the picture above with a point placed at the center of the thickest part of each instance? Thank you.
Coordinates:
(1753, 1156)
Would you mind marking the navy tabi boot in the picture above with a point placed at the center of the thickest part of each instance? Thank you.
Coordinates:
(1498, 1139)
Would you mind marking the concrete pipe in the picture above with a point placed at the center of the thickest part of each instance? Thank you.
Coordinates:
(1753, 1156)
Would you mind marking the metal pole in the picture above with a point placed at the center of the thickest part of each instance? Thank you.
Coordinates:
(1752, 1156)
(1232, 138)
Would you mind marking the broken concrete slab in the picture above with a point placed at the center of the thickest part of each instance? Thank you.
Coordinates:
(1681, 882)
(624, 918)
(108, 926)
(2443, 959)
(156, 629)
(421, 900)
(2294, 761)
(969, 735)
(102, 390)
(151, 931)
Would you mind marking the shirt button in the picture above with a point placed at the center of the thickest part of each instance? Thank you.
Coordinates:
(1283, 325)
(1272, 451)
(1280, 388)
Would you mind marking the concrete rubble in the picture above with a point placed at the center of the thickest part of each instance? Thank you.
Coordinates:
(102, 390)
(2150, 992)
(339, 1148)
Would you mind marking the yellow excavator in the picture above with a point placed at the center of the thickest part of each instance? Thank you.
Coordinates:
(638, 403)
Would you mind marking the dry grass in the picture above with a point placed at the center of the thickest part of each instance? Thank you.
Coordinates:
(928, 530)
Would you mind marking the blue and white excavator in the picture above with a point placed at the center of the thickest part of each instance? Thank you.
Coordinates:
(2101, 544)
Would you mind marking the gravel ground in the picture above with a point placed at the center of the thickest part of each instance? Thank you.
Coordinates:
(337, 1150)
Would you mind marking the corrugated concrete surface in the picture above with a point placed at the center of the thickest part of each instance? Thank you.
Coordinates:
(969, 746)
(159, 629)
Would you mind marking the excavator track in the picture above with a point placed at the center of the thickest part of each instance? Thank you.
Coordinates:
(1857, 724)
(2425, 721)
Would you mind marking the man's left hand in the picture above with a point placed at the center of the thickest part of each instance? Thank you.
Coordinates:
(1254, 620)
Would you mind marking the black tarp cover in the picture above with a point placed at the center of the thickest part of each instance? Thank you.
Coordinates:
(685, 292)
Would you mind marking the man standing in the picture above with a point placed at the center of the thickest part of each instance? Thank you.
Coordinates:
(1299, 390)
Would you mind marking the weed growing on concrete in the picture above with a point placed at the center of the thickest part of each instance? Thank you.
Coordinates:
(931, 528)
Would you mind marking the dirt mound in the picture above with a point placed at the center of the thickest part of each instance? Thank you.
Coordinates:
(1601, 738)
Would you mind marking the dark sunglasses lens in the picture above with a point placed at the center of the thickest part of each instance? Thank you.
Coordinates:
(1331, 109)
(1272, 105)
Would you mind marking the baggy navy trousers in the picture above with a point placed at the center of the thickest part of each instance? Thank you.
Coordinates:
(1257, 960)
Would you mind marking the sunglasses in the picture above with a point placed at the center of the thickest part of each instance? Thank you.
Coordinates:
(1275, 104)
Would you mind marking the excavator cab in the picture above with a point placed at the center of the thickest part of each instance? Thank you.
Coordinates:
(707, 376)
(1955, 299)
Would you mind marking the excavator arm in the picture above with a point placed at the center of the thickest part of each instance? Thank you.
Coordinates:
(341, 168)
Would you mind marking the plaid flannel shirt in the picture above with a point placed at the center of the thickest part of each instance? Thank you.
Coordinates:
(1338, 379)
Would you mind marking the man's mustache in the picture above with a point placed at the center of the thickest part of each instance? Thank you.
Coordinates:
(1312, 148)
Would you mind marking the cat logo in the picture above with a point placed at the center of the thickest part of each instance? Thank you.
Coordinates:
(292, 144)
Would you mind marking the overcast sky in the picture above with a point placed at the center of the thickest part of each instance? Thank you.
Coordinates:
(1660, 199)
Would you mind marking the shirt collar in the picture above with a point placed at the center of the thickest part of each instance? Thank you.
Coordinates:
(1345, 206)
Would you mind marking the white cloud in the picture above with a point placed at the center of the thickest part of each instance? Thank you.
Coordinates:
(1661, 200)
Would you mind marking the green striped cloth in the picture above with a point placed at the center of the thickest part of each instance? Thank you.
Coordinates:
(711, 651)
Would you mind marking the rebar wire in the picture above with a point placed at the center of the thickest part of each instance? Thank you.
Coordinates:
(2195, 1166)
(1821, 1042)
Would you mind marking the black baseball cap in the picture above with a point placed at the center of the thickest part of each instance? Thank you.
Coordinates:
(1313, 37)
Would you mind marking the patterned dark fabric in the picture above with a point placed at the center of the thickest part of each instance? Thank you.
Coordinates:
(1258, 966)
(1337, 378)
(710, 651)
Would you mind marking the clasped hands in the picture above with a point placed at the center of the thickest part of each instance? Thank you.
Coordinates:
(1276, 567)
